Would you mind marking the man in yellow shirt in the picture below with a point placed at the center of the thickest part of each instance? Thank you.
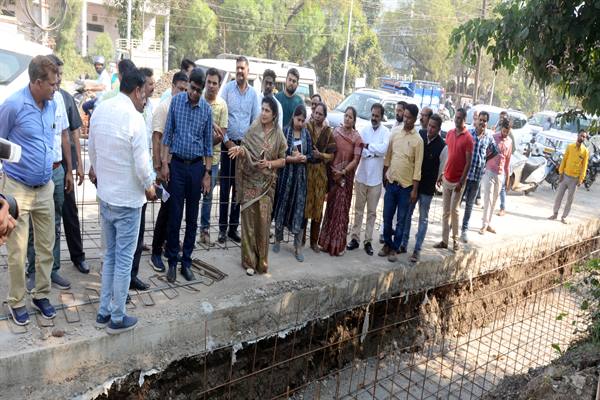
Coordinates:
(401, 176)
(572, 173)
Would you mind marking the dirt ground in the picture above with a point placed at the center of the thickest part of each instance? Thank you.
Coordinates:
(572, 376)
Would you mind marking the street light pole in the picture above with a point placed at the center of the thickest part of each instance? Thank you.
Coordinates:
(347, 48)
(478, 68)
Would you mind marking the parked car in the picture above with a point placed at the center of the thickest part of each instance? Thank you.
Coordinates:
(555, 140)
(542, 121)
(15, 55)
(362, 100)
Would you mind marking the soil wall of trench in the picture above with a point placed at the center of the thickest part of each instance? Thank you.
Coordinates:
(279, 364)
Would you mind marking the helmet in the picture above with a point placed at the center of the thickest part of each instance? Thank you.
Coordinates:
(99, 60)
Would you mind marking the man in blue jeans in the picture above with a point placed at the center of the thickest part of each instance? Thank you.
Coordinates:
(118, 151)
(62, 184)
(188, 138)
(484, 149)
(402, 173)
(434, 154)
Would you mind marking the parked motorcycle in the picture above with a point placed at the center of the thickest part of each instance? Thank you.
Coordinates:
(553, 161)
(593, 167)
(80, 95)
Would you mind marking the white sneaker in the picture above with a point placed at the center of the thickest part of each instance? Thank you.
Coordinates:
(463, 237)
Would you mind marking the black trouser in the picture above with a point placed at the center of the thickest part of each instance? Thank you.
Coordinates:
(227, 183)
(72, 229)
(160, 229)
(140, 244)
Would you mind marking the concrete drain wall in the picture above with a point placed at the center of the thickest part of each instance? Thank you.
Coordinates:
(453, 341)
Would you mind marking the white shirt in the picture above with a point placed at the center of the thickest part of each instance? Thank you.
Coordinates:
(261, 96)
(61, 122)
(370, 169)
(104, 80)
(118, 150)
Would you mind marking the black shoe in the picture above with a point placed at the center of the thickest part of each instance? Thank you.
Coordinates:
(402, 250)
(137, 284)
(233, 235)
(352, 245)
(172, 273)
(157, 263)
(222, 237)
(368, 248)
(187, 273)
(82, 266)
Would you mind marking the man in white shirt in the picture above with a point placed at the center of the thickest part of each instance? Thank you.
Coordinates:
(136, 283)
(62, 184)
(369, 177)
(118, 151)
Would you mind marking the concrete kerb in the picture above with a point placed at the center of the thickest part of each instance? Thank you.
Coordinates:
(81, 364)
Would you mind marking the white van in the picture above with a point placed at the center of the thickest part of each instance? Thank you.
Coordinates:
(225, 63)
(15, 55)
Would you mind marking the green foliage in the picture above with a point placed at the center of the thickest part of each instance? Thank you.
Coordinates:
(103, 46)
(136, 17)
(195, 28)
(66, 39)
(556, 43)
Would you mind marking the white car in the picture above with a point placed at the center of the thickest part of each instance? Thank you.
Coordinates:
(15, 55)
(542, 121)
(362, 100)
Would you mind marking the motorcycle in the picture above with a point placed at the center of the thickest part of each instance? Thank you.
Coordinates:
(593, 167)
(554, 159)
(80, 95)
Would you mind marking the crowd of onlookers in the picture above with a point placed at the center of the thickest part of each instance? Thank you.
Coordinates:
(275, 167)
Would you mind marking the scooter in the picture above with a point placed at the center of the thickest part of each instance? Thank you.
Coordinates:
(528, 170)
(593, 167)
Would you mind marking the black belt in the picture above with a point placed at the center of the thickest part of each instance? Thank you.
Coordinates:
(188, 162)
(237, 142)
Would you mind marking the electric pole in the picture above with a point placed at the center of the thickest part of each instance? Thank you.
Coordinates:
(129, 47)
(347, 48)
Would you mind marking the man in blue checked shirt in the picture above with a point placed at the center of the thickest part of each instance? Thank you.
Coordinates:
(27, 118)
(483, 150)
(188, 139)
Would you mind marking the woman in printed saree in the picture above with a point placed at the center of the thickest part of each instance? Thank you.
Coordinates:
(348, 149)
(261, 153)
(291, 184)
(323, 151)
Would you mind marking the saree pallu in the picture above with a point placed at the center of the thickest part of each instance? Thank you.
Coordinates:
(255, 192)
(317, 184)
(337, 214)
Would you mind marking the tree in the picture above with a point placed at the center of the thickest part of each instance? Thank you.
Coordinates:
(556, 43)
(195, 28)
(103, 46)
(66, 40)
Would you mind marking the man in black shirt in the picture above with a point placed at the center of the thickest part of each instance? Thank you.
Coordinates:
(434, 154)
(69, 212)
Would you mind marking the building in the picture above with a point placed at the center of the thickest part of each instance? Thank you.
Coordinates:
(97, 17)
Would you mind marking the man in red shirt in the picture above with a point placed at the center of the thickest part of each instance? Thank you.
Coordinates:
(460, 148)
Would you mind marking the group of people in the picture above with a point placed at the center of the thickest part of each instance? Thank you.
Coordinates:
(274, 166)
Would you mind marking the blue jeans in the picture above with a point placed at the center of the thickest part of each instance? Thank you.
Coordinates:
(120, 229)
(396, 200)
(424, 201)
(58, 177)
(471, 191)
(207, 200)
(185, 187)
(503, 196)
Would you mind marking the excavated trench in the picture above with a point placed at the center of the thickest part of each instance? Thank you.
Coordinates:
(277, 366)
